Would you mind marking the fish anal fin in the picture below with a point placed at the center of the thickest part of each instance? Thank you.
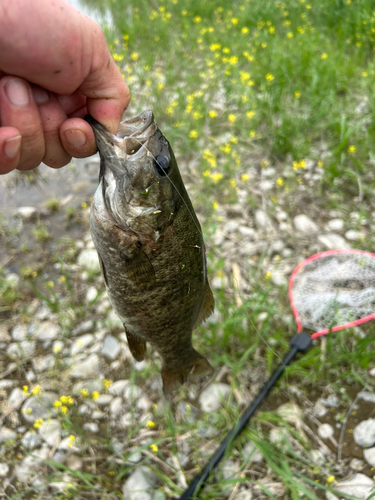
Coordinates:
(196, 367)
(207, 307)
(137, 345)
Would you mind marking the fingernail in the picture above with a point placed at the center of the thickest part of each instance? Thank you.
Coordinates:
(76, 138)
(40, 95)
(17, 92)
(12, 146)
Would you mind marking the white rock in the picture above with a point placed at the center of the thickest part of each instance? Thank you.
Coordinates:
(87, 368)
(116, 406)
(103, 399)
(81, 343)
(19, 333)
(305, 225)
(132, 392)
(91, 294)
(40, 406)
(24, 349)
(6, 434)
(247, 232)
(333, 241)
(359, 486)
(4, 335)
(16, 398)
(111, 348)
(352, 235)
(7, 384)
(26, 212)
(47, 331)
(140, 485)
(364, 433)
(31, 440)
(367, 396)
(243, 495)
(88, 259)
(117, 388)
(290, 412)
(92, 427)
(262, 220)
(318, 457)
(251, 453)
(4, 469)
(356, 464)
(319, 409)
(84, 327)
(50, 431)
(372, 372)
(335, 224)
(369, 455)
(326, 431)
(278, 278)
(211, 398)
(44, 363)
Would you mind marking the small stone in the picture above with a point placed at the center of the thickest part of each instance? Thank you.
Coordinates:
(357, 464)
(278, 278)
(39, 407)
(103, 399)
(132, 392)
(117, 388)
(335, 225)
(87, 368)
(16, 398)
(332, 401)
(333, 241)
(262, 220)
(290, 412)
(91, 294)
(207, 431)
(92, 427)
(140, 485)
(44, 363)
(243, 495)
(319, 409)
(251, 453)
(369, 455)
(81, 343)
(359, 486)
(84, 327)
(88, 259)
(212, 397)
(4, 335)
(305, 225)
(116, 406)
(247, 232)
(144, 403)
(367, 396)
(43, 313)
(26, 212)
(111, 348)
(47, 331)
(24, 349)
(19, 333)
(326, 431)
(4, 469)
(372, 372)
(7, 384)
(318, 457)
(364, 433)
(352, 235)
(6, 434)
(89, 385)
(188, 412)
(31, 440)
(50, 431)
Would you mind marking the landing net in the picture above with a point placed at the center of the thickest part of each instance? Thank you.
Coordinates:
(333, 290)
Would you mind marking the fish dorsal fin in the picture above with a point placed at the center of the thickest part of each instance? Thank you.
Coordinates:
(207, 307)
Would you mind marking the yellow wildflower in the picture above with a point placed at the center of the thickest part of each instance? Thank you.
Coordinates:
(84, 204)
(269, 77)
(36, 390)
(297, 94)
(267, 275)
(150, 424)
(193, 134)
(245, 177)
(232, 117)
(107, 384)
(38, 423)
(25, 389)
(245, 30)
(95, 395)
(84, 393)
(118, 57)
(216, 177)
(320, 164)
(280, 181)
(134, 56)
(215, 205)
(250, 114)
(324, 56)
(232, 182)
(57, 404)
(197, 19)
(352, 149)
(154, 448)
(290, 34)
(234, 20)
(64, 409)
(330, 479)
(212, 113)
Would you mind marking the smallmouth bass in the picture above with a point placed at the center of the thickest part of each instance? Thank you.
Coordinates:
(150, 246)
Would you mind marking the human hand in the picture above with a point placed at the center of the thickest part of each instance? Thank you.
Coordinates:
(55, 67)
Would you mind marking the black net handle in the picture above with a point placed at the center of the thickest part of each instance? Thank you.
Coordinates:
(299, 343)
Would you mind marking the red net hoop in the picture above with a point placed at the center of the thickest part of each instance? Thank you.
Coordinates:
(333, 290)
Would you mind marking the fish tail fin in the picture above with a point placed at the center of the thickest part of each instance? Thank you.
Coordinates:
(137, 345)
(196, 366)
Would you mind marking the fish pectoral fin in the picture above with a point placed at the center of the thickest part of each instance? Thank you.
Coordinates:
(137, 345)
(207, 307)
(196, 367)
(140, 270)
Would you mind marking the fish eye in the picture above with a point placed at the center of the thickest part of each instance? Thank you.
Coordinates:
(161, 165)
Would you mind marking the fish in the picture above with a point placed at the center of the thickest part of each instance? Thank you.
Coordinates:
(150, 247)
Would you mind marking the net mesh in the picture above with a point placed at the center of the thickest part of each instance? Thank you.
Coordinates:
(333, 289)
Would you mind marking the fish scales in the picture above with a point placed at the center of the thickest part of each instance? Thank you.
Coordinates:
(156, 278)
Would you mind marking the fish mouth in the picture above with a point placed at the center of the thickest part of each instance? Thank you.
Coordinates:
(132, 134)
